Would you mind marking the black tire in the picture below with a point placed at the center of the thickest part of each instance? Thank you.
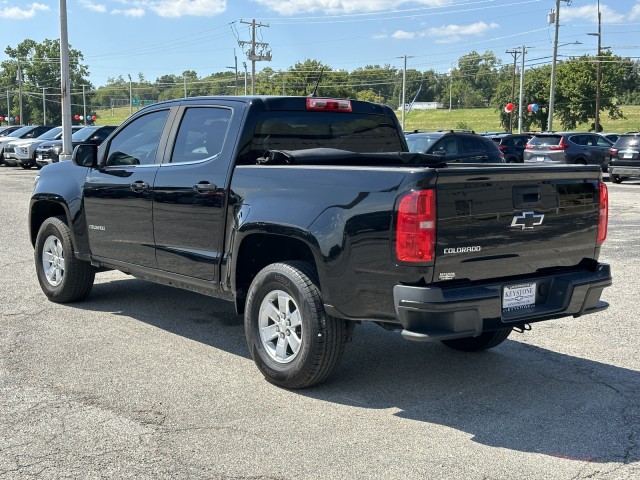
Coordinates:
(300, 345)
(26, 166)
(63, 278)
(484, 341)
(615, 178)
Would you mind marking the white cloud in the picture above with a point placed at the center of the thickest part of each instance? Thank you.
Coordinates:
(402, 35)
(94, 7)
(590, 13)
(453, 33)
(180, 8)
(173, 8)
(634, 14)
(336, 7)
(22, 13)
(129, 12)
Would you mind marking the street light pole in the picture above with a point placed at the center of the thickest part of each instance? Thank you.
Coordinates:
(521, 96)
(552, 86)
(450, 87)
(67, 146)
(244, 64)
(599, 72)
(130, 96)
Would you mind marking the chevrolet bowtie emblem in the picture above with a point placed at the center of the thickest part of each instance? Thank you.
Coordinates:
(527, 220)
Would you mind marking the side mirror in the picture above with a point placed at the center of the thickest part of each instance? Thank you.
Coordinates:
(85, 155)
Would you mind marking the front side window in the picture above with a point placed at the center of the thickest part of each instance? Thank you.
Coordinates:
(202, 134)
(137, 143)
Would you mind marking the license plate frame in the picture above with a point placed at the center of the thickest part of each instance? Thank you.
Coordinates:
(519, 296)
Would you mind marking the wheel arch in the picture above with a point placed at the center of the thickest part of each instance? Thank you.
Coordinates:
(257, 250)
(42, 209)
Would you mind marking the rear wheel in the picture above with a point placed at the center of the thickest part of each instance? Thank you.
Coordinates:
(615, 178)
(294, 343)
(484, 341)
(63, 278)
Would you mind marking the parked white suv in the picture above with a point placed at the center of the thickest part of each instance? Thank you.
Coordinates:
(22, 151)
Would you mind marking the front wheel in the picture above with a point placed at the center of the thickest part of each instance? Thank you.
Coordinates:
(484, 341)
(615, 178)
(294, 343)
(63, 278)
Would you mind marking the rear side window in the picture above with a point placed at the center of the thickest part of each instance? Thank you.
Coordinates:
(472, 145)
(302, 130)
(420, 143)
(545, 140)
(627, 141)
(202, 134)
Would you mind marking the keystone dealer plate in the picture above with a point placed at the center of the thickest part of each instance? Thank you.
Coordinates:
(515, 297)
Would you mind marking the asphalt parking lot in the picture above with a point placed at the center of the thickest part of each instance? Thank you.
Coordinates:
(144, 381)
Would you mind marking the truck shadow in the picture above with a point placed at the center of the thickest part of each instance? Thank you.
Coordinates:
(517, 396)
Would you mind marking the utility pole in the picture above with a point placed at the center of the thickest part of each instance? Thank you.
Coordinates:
(44, 107)
(552, 87)
(184, 81)
(515, 54)
(521, 90)
(263, 48)
(8, 107)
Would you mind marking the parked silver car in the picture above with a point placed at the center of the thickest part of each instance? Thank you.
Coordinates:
(578, 148)
(625, 158)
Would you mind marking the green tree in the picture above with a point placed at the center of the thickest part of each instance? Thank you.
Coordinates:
(39, 66)
(576, 88)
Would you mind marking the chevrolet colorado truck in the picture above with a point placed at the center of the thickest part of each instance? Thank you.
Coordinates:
(311, 215)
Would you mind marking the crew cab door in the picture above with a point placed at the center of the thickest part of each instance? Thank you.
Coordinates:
(118, 194)
(190, 190)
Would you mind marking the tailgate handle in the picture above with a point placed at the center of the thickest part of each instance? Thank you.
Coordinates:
(526, 196)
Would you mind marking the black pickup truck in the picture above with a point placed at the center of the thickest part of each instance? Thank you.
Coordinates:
(310, 214)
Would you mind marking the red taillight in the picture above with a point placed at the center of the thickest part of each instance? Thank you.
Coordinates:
(502, 147)
(613, 152)
(416, 227)
(528, 147)
(560, 146)
(603, 217)
(324, 104)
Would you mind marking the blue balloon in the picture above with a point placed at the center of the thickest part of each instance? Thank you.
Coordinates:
(534, 107)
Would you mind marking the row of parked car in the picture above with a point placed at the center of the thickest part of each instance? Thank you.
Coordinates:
(617, 153)
(39, 145)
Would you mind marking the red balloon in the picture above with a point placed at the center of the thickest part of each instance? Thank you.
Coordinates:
(1, 119)
(530, 108)
(76, 117)
(93, 118)
(509, 107)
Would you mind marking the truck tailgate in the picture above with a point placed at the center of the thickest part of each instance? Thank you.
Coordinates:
(514, 220)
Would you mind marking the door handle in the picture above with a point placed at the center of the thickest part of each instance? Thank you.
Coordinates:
(204, 188)
(139, 186)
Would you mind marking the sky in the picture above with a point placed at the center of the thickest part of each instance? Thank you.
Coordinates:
(158, 37)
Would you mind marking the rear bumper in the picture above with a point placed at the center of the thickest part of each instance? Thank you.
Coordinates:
(446, 313)
(624, 170)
